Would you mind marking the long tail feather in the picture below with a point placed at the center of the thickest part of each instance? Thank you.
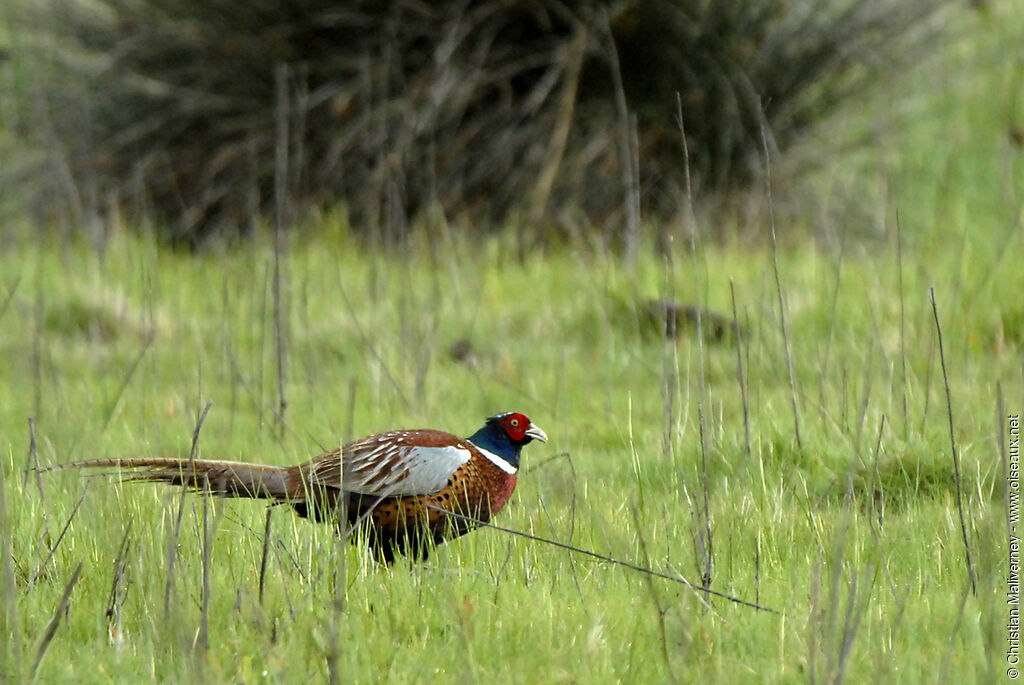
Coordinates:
(223, 478)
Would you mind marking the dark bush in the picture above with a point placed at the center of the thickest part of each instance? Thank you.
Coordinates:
(198, 113)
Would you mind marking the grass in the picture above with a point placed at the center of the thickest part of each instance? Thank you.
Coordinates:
(853, 537)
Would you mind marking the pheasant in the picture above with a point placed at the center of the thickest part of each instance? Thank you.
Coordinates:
(401, 487)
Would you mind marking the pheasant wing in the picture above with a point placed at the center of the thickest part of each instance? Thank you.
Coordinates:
(398, 463)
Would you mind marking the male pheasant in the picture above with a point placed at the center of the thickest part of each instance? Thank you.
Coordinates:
(401, 486)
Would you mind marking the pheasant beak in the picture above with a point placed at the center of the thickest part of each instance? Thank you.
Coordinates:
(536, 433)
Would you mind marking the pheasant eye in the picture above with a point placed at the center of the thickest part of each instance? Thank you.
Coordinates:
(515, 423)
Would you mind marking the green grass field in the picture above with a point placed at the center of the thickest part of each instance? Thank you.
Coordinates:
(850, 533)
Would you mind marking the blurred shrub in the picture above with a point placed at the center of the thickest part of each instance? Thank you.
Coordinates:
(196, 114)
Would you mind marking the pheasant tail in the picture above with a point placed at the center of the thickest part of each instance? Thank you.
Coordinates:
(224, 478)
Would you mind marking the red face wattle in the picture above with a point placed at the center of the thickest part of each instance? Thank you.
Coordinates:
(515, 426)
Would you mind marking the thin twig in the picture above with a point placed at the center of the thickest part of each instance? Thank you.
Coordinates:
(952, 442)
(368, 341)
(831, 624)
(261, 354)
(229, 353)
(569, 557)
(280, 226)
(708, 546)
(709, 550)
(172, 544)
(884, 669)
(299, 126)
(865, 397)
(661, 611)
(957, 624)
(757, 569)
(203, 637)
(335, 676)
(603, 557)
(284, 584)
(739, 373)
(353, 389)
(832, 319)
(10, 296)
(294, 560)
(928, 384)
(778, 283)
(627, 150)
(334, 648)
(126, 380)
(692, 219)
(814, 622)
(116, 597)
(669, 389)
(38, 311)
(541, 464)
(903, 326)
(32, 462)
(51, 627)
(63, 532)
(266, 552)
(878, 501)
(854, 614)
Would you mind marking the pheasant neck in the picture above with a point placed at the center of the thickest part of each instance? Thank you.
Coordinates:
(497, 448)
